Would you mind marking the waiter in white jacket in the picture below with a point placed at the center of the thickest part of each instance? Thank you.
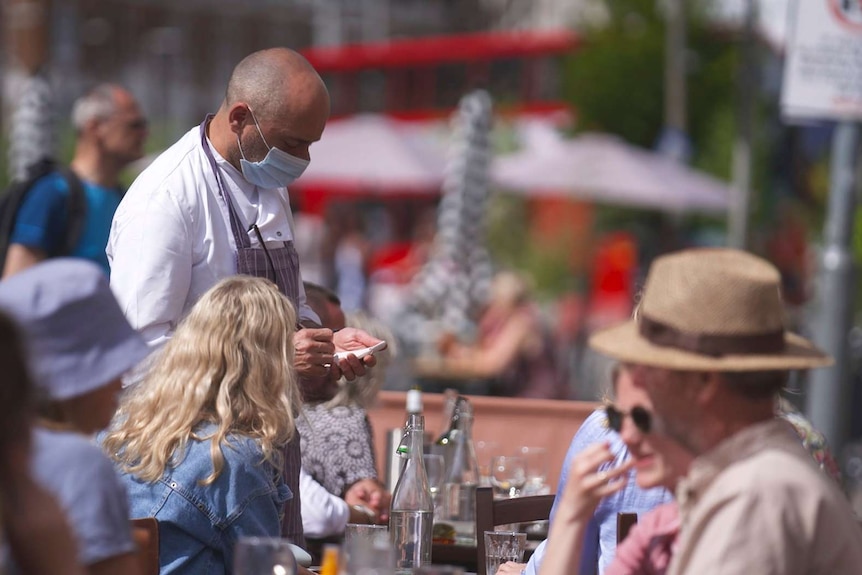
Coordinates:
(215, 204)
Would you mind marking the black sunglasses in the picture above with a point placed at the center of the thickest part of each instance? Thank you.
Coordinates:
(641, 417)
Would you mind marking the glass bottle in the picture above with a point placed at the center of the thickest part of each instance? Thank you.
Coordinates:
(449, 403)
(411, 513)
(443, 445)
(462, 474)
(394, 460)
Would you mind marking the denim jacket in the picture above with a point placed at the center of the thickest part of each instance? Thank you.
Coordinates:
(200, 524)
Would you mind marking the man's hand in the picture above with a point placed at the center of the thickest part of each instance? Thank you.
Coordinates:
(348, 339)
(313, 349)
(511, 568)
(371, 494)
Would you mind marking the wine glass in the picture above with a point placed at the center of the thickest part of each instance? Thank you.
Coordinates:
(508, 475)
(536, 459)
(484, 451)
(434, 469)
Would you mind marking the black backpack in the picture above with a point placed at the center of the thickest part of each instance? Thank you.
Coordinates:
(76, 207)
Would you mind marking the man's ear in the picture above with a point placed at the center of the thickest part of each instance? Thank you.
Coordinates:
(94, 128)
(708, 387)
(237, 117)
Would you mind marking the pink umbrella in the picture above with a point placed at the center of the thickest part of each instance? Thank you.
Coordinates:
(377, 154)
(604, 168)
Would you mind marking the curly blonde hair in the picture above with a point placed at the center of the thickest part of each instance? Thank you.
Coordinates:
(229, 363)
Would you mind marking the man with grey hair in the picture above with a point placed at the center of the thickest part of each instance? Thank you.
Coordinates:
(710, 349)
(110, 133)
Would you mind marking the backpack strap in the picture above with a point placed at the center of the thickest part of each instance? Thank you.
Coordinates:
(14, 197)
(76, 210)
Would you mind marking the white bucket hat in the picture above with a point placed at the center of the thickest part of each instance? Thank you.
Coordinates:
(77, 337)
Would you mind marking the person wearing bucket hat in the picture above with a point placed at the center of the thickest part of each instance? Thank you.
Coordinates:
(709, 347)
(31, 520)
(79, 344)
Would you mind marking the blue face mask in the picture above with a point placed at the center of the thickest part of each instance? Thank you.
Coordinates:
(277, 170)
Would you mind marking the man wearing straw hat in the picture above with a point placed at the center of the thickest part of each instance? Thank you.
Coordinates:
(708, 345)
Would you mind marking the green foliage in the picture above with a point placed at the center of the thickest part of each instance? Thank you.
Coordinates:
(615, 82)
(506, 229)
(510, 246)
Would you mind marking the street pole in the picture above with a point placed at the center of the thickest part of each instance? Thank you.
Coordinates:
(746, 89)
(674, 70)
(831, 389)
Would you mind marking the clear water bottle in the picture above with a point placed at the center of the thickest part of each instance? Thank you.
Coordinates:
(411, 513)
(462, 475)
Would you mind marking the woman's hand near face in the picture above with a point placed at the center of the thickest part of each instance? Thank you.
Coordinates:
(585, 488)
(587, 485)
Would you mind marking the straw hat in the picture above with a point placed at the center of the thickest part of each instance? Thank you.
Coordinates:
(710, 310)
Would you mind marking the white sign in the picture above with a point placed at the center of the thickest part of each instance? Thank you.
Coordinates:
(823, 71)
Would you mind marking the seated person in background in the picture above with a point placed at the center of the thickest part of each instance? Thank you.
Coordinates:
(339, 477)
(80, 345)
(513, 348)
(199, 442)
(31, 521)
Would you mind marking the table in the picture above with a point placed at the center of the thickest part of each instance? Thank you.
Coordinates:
(450, 554)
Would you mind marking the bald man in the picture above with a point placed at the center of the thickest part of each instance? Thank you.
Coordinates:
(110, 131)
(216, 204)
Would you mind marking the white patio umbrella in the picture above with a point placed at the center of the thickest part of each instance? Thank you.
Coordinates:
(606, 169)
(373, 153)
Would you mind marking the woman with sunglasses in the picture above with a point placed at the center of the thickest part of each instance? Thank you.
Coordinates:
(657, 461)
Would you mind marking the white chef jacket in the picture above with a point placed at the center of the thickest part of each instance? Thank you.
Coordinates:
(170, 239)
(323, 514)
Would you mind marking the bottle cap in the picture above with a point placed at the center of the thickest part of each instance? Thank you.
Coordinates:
(414, 401)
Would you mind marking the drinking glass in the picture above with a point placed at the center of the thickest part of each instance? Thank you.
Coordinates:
(536, 460)
(502, 546)
(367, 535)
(270, 555)
(434, 469)
(508, 475)
(484, 451)
(367, 549)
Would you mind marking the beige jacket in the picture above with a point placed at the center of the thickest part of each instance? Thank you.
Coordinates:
(757, 505)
